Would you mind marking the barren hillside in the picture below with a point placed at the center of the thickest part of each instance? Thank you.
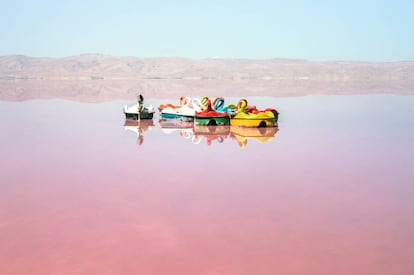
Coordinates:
(95, 77)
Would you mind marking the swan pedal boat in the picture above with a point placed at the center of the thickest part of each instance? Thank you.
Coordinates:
(133, 112)
(265, 118)
(185, 112)
(211, 117)
(138, 111)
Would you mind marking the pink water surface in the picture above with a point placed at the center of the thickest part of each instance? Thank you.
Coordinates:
(332, 193)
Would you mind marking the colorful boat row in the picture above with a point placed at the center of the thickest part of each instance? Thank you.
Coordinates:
(205, 112)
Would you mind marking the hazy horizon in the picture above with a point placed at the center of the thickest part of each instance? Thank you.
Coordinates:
(107, 77)
(207, 58)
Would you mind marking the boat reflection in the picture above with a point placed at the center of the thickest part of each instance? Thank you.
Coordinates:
(242, 134)
(175, 124)
(211, 133)
(183, 128)
(218, 134)
(197, 134)
(139, 127)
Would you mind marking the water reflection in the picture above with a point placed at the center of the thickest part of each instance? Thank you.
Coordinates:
(139, 127)
(262, 135)
(197, 133)
(76, 198)
(211, 133)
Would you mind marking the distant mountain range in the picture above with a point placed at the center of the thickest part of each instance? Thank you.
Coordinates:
(104, 77)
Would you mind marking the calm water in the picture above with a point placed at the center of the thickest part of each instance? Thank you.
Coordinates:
(331, 192)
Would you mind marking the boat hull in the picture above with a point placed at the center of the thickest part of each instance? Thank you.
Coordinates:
(142, 115)
(179, 117)
(253, 122)
(211, 121)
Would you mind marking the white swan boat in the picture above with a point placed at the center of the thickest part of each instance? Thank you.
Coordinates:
(185, 112)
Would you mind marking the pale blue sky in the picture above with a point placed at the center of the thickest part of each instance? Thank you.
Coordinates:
(316, 30)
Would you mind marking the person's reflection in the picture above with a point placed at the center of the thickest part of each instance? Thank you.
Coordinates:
(140, 139)
(139, 127)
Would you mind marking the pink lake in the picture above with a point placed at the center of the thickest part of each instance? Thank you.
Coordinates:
(330, 192)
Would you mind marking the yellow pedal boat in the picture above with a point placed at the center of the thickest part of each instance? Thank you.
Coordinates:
(248, 119)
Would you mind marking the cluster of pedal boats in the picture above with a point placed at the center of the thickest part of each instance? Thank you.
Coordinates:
(204, 111)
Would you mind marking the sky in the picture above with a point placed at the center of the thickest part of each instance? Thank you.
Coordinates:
(380, 30)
